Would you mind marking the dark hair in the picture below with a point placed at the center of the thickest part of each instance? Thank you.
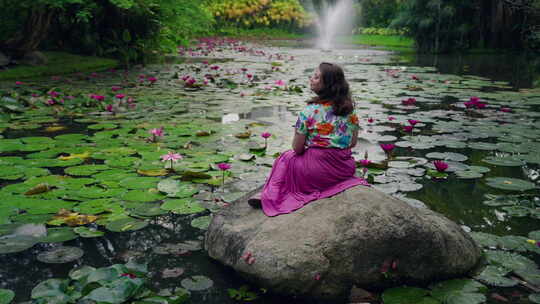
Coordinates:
(334, 88)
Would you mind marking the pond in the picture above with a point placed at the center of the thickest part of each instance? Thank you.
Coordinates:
(81, 159)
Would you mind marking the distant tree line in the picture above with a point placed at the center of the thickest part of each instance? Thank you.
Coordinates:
(446, 25)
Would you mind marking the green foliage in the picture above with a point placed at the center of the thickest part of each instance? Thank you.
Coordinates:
(381, 31)
(253, 13)
(377, 13)
(242, 294)
(114, 284)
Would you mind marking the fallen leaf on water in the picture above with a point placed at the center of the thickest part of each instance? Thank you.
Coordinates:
(40, 188)
(72, 156)
(55, 128)
(155, 172)
(172, 272)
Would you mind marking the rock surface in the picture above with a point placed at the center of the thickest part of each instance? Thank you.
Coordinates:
(323, 249)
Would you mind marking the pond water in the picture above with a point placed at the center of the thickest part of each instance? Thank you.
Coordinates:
(213, 106)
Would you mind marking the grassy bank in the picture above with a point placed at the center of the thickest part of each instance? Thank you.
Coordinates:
(383, 40)
(59, 63)
(258, 33)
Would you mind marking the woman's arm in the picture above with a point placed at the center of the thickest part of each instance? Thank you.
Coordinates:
(298, 142)
(354, 139)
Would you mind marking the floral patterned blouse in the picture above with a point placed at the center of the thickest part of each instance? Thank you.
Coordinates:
(324, 129)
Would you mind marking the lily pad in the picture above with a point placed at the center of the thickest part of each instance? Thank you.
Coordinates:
(504, 161)
(201, 222)
(175, 188)
(495, 276)
(407, 295)
(509, 260)
(197, 283)
(88, 232)
(16, 243)
(459, 292)
(126, 224)
(58, 235)
(508, 183)
(143, 196)
(6, 296)
(60, 255)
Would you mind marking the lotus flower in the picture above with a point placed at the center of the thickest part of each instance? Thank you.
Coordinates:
(413, 122)
(440, 165)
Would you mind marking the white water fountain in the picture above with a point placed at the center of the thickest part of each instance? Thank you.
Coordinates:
(336, 20)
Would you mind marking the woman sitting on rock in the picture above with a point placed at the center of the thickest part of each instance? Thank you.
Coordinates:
(320, 164)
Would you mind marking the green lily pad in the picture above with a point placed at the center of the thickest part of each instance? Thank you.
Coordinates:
(53, 291)
(535, 298)
(197, 283)
(174, 188)
(60, 255)
(504, 161)
(86, 232)
(139, 182)
(85, 170)
(508, 183)
(407, 295)
(459, 292)
(509, 260)
(450, 156)
(81, 272)
(485, 239)
(16, 243)
(126, 224)
(6, 296)
(148, 209)
(58, 235)
(201, 222)
(143, 196)
(183, 206)
(495, 276)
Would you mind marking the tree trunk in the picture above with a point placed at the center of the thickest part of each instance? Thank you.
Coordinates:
(33, 32)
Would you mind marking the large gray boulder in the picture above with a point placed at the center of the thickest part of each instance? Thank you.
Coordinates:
(359, 237)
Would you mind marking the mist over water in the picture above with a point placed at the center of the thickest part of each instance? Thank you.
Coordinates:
(333, 21)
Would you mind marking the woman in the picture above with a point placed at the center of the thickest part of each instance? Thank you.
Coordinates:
(320, 164)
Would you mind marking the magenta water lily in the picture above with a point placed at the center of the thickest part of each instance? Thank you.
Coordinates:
(265, 135)
(440, 165)
(223, 167)
(388, 148)
(156, 133)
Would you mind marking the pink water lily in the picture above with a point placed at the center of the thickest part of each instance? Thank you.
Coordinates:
(51, 102)
(214, 67)
(370, 120)
(413, 122)
(279, 83)
(171, 156)
(54, 94)
(440, 165)
(388, 148)
(120, 96)
(365, 162)
(391, 118)
(116, 88)
(223, 166)
(157, 131)
(109, 108)
(265, 135)
(151, 79)
(19, 83)
(409, 101)
(97, 97)
(414, 77)
(408, 128)
(506, 110)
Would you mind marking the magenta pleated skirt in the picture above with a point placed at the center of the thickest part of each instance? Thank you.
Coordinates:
(296, 180)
